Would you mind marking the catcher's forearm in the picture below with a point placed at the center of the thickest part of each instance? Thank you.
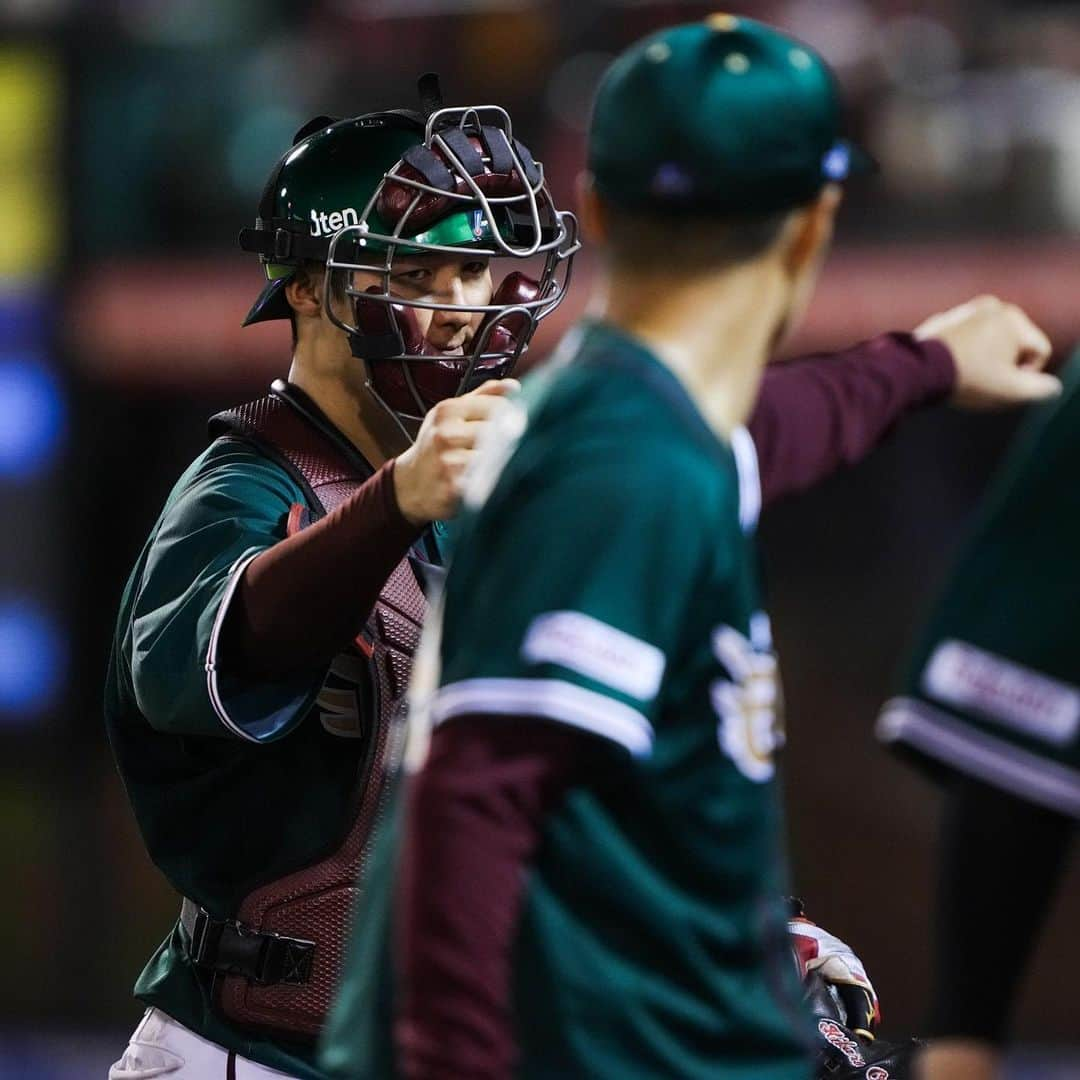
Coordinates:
(302, 600)
(820, 412)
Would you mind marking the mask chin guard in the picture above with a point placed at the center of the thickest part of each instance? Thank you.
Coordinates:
(406, 383)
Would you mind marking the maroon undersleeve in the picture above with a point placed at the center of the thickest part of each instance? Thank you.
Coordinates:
(303, 600)
(474, 819)
(820, 412)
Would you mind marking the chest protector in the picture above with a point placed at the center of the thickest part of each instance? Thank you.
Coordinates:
(314, 904)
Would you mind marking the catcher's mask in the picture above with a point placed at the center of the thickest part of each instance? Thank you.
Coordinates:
(360, 194)
(470, 190)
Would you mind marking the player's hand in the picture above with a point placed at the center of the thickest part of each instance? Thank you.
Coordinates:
(819, 953)
(428, 476)
(998, 351)
(960, 1059)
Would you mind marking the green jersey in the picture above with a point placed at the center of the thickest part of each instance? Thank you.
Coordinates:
(994, 686)
(234, 782)
(604, 578)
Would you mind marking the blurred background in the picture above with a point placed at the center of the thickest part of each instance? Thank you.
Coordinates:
(135, 136)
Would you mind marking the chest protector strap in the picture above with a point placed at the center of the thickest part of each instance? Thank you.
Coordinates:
(308, 911)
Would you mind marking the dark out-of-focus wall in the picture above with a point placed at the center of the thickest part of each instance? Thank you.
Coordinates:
(134, 142)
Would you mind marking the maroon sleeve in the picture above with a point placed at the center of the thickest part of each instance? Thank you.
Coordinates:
(822, 411)
(302, 600)
(474, 820)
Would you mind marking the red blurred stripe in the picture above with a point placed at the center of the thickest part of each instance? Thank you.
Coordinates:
(177, 323)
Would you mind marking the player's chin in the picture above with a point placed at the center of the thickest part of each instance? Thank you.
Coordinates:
(448, 348)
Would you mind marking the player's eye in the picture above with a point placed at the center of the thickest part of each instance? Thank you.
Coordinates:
(474, 269)
(418, 276)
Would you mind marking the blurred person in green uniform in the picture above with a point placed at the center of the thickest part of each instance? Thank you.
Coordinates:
(991, 708)
(584, 877)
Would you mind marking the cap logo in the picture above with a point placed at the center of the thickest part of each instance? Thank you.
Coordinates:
(672, 180)
(837, 162)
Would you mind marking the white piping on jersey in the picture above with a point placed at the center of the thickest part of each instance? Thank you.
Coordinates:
(423, 685)
(549, 699)
(973, 752)
(568, 347)
(235, 574)
(597, 650)
(746, 465)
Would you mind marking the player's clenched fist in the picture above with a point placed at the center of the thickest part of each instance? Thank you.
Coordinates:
(999, 353)
(428, 476)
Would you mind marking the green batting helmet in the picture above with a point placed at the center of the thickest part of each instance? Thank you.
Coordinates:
(356, 194)
(319, 187)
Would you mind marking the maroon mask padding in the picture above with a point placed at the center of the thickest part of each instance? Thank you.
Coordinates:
(436, 380)
(495, 177)
(516, 288)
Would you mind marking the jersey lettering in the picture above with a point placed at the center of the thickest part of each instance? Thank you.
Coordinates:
(748, 704)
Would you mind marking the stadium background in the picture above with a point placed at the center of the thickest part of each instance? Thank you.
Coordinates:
(135, 136)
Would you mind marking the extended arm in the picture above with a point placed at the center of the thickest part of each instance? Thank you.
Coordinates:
(474, 820)
(986, 925)
(823, 411)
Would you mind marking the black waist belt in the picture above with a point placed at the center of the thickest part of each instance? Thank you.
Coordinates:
(230, 947)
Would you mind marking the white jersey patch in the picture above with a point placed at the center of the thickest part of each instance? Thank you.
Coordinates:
(596, 650)
(1014, 696)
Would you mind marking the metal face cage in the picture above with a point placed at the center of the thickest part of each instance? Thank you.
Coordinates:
(522, 225)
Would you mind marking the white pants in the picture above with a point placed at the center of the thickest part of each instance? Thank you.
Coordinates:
(160, 1046)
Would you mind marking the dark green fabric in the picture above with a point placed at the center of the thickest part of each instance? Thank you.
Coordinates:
(221, 809)
(653, 938)
(725, 116)
(1014, 599)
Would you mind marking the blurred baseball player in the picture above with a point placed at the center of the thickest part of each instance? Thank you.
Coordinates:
(586, 877)
(992, 706)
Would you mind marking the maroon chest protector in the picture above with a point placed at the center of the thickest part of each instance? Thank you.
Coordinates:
(314, 904)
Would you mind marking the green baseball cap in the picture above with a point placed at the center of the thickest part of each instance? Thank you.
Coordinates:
(727, 116)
